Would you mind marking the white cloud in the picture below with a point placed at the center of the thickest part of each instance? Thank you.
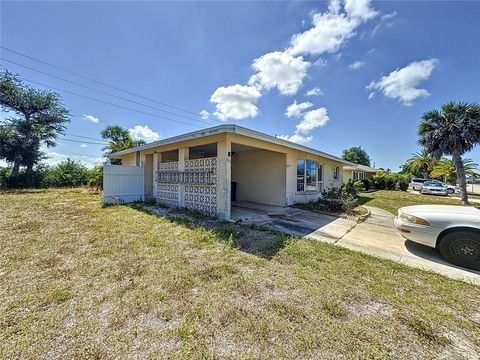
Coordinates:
(402, 83)
(332, 28)
(328, 33)
(359, 9)
(235, 101)
(312, 119)
(299, 139)
(371, 95)
(83, 145)
(384, 22)
(314, 92)
(204, 114)
(320, 62)
(356, 65)
(91, 118)
(295, 110)
(140, 132)
(54, 158)
(280, 70)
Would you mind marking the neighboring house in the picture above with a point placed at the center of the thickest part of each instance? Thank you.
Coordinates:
(357, 172)
(208, 169)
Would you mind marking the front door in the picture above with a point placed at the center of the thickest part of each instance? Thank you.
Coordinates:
(320, 177)
(148, 176)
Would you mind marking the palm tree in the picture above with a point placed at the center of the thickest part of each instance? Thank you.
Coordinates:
(453, 130)
(119, 139)
(421, 161)
(445, 168)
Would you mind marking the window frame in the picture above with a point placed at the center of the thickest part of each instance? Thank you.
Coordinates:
(302, 186)
(336, 173)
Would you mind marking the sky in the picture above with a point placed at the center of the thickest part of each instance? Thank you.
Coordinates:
(329, 75)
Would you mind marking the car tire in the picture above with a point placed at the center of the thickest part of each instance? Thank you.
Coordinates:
(450, 191)
(461, 248)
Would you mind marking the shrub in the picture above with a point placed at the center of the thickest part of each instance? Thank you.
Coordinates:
(95, 177)
(390, 182)
(339, 200)
(359, 185)
(367, 184)
(350, 188)
(403, 182)
(65, 174)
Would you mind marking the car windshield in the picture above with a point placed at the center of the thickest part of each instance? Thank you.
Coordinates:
(430, 183)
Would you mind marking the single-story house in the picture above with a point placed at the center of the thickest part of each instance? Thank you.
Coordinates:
(207, 170)
(357, 172)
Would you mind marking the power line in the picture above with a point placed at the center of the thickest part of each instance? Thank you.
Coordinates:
(74, 154)
(103, 92)
(112, 104)
(100, 82)
(85, 137)
(83, 142)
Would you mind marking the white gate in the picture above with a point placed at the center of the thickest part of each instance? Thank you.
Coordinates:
(123, 184)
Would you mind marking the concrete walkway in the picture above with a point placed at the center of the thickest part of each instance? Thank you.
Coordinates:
(377, 236)
(292, 221)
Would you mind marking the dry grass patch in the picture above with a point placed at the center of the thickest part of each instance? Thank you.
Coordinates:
(79, 280)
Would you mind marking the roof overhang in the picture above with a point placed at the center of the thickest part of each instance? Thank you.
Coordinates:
(233, 129)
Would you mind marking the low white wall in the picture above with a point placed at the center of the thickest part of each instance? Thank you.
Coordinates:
(123, 184)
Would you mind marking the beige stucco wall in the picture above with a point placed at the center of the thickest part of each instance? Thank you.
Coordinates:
(294, 196)
(347, 175)
(260, 176)
(129, 159)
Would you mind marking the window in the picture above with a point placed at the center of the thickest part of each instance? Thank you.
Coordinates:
(307, 175)
(335, 172)
(355, 175)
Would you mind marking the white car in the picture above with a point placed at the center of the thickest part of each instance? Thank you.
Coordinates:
(417, 184)
(433, 188)
(452, 230)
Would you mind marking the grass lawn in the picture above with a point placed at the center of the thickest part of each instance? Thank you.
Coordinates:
(393, 200)
(78, 280)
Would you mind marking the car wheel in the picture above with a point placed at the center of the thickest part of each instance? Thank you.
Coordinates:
(461, 248)
(450, 191)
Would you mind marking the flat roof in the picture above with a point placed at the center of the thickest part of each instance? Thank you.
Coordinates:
(233, 129)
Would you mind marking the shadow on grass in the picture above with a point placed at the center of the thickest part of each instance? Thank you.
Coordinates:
(363, 200)
(256, 240)
(22, 191)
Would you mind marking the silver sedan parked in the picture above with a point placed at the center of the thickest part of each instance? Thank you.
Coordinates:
(434, 188)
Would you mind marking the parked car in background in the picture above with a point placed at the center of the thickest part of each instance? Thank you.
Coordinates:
(453, 230)
(434, 188)
(417, 185)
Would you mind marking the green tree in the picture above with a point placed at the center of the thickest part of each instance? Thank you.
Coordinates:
(453, 130)
(356, 155)
(118, 139)
(445, 169)
(38, 118)
(421, 162)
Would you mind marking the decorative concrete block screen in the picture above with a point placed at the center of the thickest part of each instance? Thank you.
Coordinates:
(123, 184)
(201, 185)
(194, 187)
(167, 189)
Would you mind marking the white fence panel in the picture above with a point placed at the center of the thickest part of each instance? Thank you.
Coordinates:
(123, 184)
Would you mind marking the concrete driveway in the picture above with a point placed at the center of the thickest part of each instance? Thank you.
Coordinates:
(376, 236)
